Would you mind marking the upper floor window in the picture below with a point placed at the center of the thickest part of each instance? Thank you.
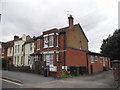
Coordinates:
(18, 48)
(51, 41)
(30, 46)
(38, 44)
(92, 59)
(46, 42)
(57, 40)
(15, 48)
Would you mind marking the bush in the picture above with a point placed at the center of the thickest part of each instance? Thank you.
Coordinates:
(66, 74)
(5, 63)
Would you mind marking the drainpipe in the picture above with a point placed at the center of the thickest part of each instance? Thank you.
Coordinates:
(64, 52)
(87, 63)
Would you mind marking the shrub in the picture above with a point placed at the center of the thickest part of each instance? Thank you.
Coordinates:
(5, 63)
(66, 74)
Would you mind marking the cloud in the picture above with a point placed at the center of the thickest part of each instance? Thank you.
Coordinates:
(97, 18)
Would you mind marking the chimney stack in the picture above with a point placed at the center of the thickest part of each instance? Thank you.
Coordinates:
(16, 37)
(71, 21)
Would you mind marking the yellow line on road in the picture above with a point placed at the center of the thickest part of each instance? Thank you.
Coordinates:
(11, 82)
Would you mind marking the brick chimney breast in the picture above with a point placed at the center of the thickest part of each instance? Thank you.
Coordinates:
(71, 21)
(16, 37)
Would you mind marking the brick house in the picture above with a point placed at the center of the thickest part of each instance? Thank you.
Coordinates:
(56, 50)
(62, 48)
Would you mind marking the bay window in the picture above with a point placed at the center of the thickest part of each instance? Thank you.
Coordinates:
(51, 41)
(46, 42)
(48, 58)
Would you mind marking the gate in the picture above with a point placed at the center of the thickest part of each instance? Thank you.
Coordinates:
(116, 69)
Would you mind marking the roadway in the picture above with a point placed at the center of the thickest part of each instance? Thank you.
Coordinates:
(10, 84)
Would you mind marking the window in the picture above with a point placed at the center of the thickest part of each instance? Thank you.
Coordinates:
(57, 40)
(96, 58)
(51, 41)
(15, 49)
(48, 58)
(18, 59)
(18, 48)
(21, 60)
(92, 59)
(51, 59)
(45, 42)
(30, 46)
(38, 44)
(101, 59)
(28, 59)
(15, 59)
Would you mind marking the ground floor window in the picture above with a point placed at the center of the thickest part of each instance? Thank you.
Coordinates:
(49, 59)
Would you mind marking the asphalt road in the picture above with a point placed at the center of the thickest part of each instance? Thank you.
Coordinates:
(10, 84)
(100, 80)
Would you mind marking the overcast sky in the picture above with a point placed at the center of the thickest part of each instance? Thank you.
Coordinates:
(98, 18)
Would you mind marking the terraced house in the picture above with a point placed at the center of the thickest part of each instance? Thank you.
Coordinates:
(58, 50)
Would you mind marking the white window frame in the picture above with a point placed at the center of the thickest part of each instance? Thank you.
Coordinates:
(46, 41)
(96, 58)
(30, 46)
(57, 40)
(49, 58)
(92, 59)
(51, 41)
(18, 48)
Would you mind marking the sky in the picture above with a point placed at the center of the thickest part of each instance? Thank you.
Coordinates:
(98, 18)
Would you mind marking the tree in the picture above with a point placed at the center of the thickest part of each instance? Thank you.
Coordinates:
(111, 46)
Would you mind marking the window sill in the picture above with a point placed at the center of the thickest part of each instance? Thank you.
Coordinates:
(38, 49)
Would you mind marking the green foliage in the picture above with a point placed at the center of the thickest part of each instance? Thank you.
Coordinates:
(5, 62)
(111, 46)
(66, 74)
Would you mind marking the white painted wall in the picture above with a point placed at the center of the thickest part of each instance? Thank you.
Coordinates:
(10, 53)
(18, 54)
(28, 52)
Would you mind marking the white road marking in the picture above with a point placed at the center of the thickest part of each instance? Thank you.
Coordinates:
(11, 82)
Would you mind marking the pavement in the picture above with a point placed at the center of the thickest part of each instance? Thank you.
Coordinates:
(101, 80)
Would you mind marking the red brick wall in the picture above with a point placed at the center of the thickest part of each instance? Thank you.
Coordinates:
(97, 65)
(75, 58)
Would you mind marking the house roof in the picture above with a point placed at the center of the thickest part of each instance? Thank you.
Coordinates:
(38, 37)
(88, 52)
(29, 41)
(65, 29)
(10, 44)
